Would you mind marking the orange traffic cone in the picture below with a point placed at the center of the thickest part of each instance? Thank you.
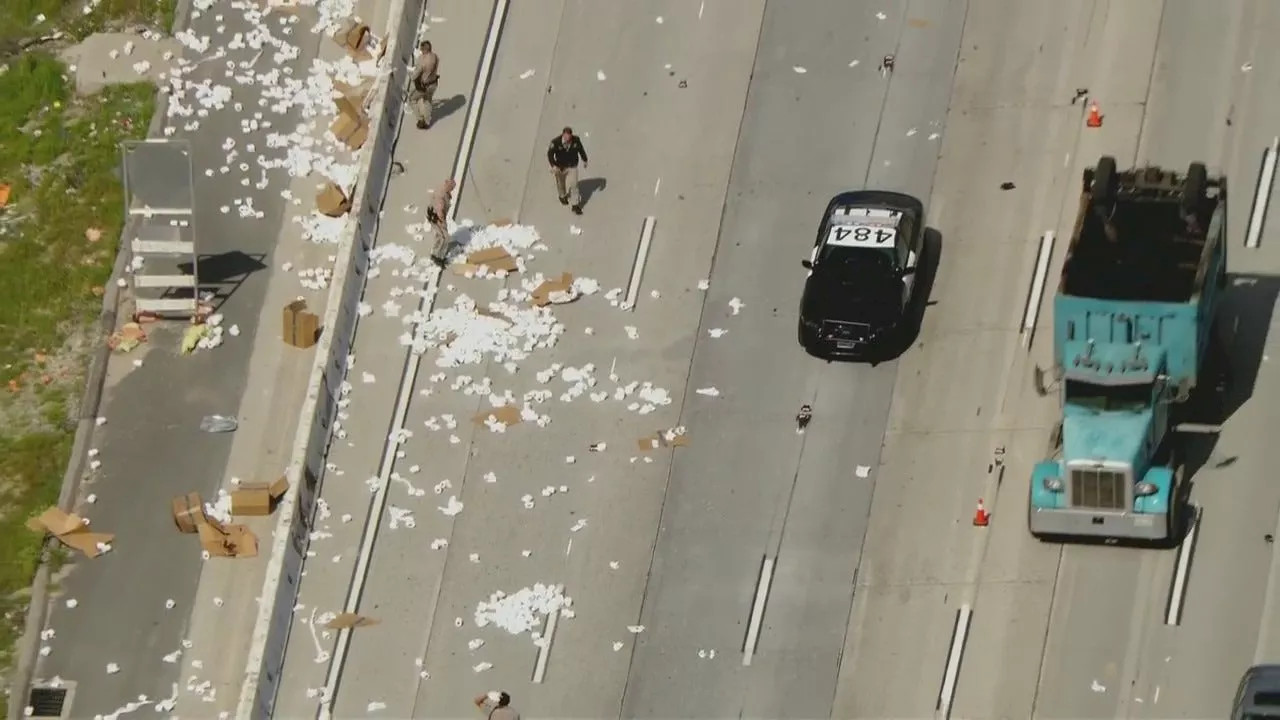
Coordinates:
(981, 518)
(1094, 120)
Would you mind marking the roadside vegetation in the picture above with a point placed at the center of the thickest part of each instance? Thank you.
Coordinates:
(61, 212)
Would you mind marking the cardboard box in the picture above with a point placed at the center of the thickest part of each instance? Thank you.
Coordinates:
(346, 621)
(188, 513)
(542, 294)
(258, 499)
(358, 94)
(494, 258)
(233, 541)
(663, 439)
(344, 126)
(351, 107)
(72, 531)
(332, 202)
(358, 138)
(507, 415)
(301, 326)
(353, 37)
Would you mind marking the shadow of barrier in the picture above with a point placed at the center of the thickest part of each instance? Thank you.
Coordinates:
(319, 408)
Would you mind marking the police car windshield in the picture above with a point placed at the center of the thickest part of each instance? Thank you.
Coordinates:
(859, 261)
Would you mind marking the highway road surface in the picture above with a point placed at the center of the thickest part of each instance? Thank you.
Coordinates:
(731, 124)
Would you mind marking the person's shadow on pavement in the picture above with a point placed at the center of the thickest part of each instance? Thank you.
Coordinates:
(444, 108)
(589, 187)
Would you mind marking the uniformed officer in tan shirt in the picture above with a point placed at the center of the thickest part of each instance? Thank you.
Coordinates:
(423, 84)
(438, 215)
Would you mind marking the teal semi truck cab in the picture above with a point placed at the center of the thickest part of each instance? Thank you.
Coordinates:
(1133, 321)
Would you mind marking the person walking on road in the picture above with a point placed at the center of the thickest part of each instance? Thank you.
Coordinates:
(423, 84)
(438, 216)
(563, 155)
(496, 706)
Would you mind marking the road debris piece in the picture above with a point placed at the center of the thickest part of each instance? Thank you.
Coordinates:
(188, 513)
(301, 326)
(504, 416)
(523, 610)
(803, 418)
(229, 541)
(127, 338)
(72, 531)
(348, 621)
(558, 291)
(258, 499)
(490, 260)
(863, 471)
(218, 424)
(673, 438)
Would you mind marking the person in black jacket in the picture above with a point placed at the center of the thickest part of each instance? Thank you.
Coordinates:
(563, 155)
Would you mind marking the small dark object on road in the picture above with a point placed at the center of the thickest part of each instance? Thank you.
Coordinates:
(886, 65)
(1080, 92)
(803, 417)
(1007, 186)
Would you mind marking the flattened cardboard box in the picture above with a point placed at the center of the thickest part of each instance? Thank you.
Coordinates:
(493, 260)
(231, 541)
(258, 499)
(507, 415)
(662, 439)
(70, 530)
(188, 513)
(346, 621)
(542, 294)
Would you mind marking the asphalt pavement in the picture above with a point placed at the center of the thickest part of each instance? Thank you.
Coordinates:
(1074, 632)
(864, 519)
(137, 604)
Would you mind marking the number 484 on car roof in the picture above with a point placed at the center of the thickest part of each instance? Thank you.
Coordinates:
(860, 235)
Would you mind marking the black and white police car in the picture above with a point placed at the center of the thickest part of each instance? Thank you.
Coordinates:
(862, 274)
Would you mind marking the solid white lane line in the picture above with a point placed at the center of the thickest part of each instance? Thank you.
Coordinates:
(757, 611)
(408, 379)
(1178, 591)
(544, 652)
(1262, 195)
(960, 634)
(463, 161)
(637, 268)
(1035, 295)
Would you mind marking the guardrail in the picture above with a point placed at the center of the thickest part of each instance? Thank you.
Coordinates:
(306, 464)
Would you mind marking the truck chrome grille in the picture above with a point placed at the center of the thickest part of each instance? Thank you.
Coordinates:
(1099, 489)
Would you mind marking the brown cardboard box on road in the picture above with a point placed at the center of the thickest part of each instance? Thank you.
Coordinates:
(663, 439)
(351, 127)
(346, 126)
(258, 499)
(233, 541)
(301, 326)
(71, 530)
(346, 621)
(188, 513)
(332, 202)
(359, 42)
(507, 415)
(358, 137)
(542, 294)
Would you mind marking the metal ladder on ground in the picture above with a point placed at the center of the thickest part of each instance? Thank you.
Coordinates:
(159, 198)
